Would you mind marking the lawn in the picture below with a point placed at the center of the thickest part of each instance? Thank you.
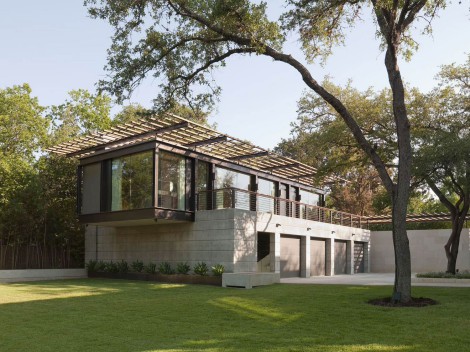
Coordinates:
(113, 315)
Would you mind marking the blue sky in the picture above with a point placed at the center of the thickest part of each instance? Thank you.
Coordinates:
(55, 47)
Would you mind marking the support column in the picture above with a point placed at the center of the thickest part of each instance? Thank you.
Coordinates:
(367, 257)
(330, 257)
(275, 250)
(350, 257)
(305, 256)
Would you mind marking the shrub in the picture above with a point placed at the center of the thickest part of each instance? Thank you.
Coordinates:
(91, 266)
(165, 268)
(201, 269)
(150, 268)
(122, 266)
(443, 275)
(218, 270)
(111, 267)
(183, 268)
(137, 266)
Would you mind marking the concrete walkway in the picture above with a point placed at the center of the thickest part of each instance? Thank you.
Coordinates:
(373, 279)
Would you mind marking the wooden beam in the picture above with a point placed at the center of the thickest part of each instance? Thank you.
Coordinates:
(130, 139)
(207, 141)
(249, 156)
(282, 166)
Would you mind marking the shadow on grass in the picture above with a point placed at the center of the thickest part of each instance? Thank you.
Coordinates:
(141, 316)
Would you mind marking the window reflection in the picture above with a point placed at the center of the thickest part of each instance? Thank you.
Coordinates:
(171, 181)
(132, 181)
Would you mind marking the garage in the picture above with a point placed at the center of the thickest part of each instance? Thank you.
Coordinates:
(290, 256)
(359, 257)
(340, 257)
(317, 257)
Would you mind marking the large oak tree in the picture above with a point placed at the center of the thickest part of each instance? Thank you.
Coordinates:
(182, 41)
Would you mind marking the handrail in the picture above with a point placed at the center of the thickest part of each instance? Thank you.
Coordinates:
(248, 200)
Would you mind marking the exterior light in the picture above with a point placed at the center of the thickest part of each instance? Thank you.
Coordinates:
(333, 232)
(309, 228)
(277, 225)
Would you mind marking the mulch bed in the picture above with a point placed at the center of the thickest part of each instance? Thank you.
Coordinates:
(415, 302)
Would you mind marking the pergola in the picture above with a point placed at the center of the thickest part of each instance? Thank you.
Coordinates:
(175, 130)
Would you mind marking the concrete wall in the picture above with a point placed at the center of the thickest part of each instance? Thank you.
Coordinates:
(427, 250)
(41, 274)
(225, 236)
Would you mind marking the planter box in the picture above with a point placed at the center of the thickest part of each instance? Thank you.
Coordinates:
(174, 279)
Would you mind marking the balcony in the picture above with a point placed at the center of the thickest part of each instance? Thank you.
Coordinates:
(235, 198)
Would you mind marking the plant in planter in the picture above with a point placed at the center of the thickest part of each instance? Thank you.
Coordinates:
(218, 270)
(91, 266)
(150, 268)
(137, 266)
(183, 268)
(166, 269)
(122, 266)
(111, 267)
(201, 268)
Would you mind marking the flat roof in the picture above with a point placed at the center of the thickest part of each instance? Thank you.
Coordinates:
(181, 132)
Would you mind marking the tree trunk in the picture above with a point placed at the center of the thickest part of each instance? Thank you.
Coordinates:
(452, 246)
(402, 285)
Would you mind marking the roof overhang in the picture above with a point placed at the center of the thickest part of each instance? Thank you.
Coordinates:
(172, 129)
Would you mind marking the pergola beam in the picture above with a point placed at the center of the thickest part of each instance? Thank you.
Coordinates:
(282, 166)
(249, 156)
(129, 139)
(214, 140)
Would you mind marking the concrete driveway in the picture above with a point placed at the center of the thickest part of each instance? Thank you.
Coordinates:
(373, 279)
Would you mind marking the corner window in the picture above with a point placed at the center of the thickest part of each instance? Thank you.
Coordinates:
(171, 181)
(132, 181)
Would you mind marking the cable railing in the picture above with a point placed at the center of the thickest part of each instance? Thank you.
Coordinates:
(245, 200)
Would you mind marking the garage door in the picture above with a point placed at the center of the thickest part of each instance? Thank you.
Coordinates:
(340, 257)
(290, 256)
(317, 257)
(358, 257)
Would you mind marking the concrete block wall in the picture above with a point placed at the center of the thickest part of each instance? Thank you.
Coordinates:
(209, 239)
(426, 247)
(225, 236)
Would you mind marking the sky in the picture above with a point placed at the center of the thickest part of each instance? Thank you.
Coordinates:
(55, 47)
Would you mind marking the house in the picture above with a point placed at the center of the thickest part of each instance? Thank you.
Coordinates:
(170, 190)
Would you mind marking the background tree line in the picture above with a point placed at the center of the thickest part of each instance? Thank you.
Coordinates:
(440, 138)
(38, 190)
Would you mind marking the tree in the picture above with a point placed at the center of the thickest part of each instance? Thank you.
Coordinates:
(321, 139)
(443, 149)
(182, 41)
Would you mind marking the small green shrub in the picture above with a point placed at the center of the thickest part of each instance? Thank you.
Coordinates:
(183, 268)
(91, 266)
(443, 275)
(137, 266)
(94, 266)
(201, 269)
(150, 268)
(111, 267)
(165, 268)
(218, 270)
(122, 266)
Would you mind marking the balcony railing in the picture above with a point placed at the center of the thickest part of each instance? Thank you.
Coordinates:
(245, 200)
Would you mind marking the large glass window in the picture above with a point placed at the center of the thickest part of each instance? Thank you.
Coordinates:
(90, 188)
(132, 181)
(229, 180)
(267, 188)
(308, 198)
(171, 181)
(202, 184)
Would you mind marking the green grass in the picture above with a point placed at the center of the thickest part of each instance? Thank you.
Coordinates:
(114, 315)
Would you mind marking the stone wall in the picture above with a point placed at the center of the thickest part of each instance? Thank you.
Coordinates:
(427, 251)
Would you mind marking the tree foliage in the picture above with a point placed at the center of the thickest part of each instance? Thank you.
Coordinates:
(443, 149)
(183, 41)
